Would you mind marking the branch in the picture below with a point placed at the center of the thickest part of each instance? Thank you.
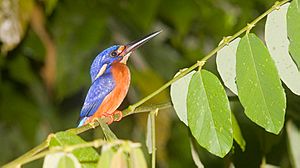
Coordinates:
(126, 112)
(132, 109)
(36, 152)
(222, 44)
(67, 149)
(96, 143)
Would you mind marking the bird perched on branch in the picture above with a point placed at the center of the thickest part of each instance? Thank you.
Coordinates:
(110, 82)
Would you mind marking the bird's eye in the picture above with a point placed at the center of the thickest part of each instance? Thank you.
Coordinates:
(113, 54)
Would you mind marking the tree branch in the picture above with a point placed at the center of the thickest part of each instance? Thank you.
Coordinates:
(37, 151)
(134, 108)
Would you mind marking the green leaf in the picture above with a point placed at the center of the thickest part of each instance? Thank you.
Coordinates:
(137, 158)
(259, 87)
(84, 155)
(106, 157)
(209, 114)
(293, 143)
(179, 91)
(268, 166)
(293, 27)
(149, 134)
(61, 160)
(66, 162)
(226, 61)
(278, 46)
(109, 135)
(237, 134)
(119, 160)
(195, 155)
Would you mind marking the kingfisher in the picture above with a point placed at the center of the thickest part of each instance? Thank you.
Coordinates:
(110, 82)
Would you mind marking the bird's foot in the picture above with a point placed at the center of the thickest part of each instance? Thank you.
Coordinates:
(119, 113)
(110, 116)
(93, 123)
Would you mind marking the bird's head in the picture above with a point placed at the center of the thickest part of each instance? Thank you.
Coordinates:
(116, 53)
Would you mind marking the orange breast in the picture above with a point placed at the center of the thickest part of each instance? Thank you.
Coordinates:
(113, 100)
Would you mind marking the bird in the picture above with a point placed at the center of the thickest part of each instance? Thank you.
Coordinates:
(110, 78)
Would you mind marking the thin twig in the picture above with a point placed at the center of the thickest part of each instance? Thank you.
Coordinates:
(44, 145)
(132, 109)
(96, 143)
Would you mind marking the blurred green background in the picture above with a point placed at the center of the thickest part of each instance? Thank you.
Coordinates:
(47, 47)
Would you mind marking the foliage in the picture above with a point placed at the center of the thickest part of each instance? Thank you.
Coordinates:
(45, 58)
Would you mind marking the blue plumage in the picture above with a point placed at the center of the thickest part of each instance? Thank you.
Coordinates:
(101, 86)
(101, 59)
(110, 81)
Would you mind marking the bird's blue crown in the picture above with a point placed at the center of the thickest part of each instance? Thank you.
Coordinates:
(107, 56)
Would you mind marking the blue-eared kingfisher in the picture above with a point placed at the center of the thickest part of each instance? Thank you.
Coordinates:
(110, 82)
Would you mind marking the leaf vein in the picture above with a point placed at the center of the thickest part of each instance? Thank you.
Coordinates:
(257, 76)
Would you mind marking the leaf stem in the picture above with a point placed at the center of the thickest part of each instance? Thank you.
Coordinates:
(21, 161)
(132, 109)
(163, 87)
(37, 150)
(210, 54)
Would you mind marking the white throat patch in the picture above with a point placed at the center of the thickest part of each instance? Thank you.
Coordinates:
(125, 58)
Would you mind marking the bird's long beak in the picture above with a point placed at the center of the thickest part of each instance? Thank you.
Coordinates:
(137, 43)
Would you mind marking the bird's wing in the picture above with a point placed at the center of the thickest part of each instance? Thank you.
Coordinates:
(100, 88)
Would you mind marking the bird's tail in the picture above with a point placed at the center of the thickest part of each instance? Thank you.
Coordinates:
(82, 121)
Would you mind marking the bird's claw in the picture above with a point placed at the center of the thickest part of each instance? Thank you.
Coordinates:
(120, 115)
(92, 124)
(110, 116)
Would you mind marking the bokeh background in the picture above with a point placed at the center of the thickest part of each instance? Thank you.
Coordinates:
(47, 47)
